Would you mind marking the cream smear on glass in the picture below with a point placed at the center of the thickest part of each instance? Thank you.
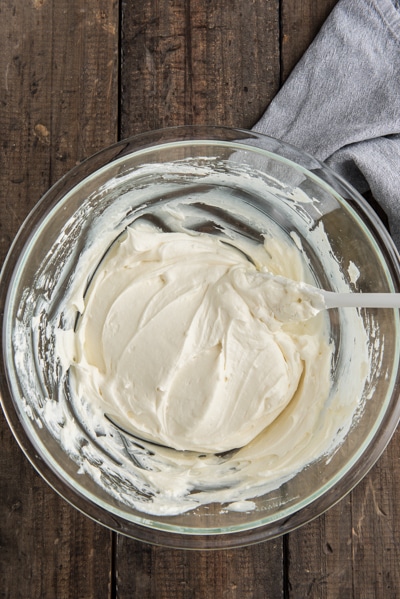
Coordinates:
(179, 383)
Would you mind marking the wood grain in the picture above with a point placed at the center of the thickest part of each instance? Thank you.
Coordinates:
(197, 62)
(319, 557)
(375, 530)
(46, 546)
(300, 23)
(353, 549)
(147, 572)
(59, 103)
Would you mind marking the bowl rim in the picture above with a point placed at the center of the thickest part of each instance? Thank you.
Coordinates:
(185, 538)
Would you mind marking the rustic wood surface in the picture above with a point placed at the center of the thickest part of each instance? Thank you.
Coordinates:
(76, 75)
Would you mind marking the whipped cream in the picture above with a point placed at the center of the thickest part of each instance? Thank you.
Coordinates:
(179, 343)
(169, 331)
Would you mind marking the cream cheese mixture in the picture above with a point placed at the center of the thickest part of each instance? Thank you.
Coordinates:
(180, 372)
(179, 343)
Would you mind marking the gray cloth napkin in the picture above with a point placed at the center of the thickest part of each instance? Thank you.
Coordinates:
(341, 103)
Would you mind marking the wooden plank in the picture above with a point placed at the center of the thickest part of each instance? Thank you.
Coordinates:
(353, 550)
(247, 573)
(47, 548)
(198, 62)
(58, 93)
(300, 22)
(319, 556)
(375, 530)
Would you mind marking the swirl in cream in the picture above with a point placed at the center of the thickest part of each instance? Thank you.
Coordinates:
(177, 344)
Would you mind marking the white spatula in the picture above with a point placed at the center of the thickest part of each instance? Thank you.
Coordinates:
(295, 301)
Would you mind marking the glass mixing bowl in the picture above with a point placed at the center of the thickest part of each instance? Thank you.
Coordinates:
(261, 182)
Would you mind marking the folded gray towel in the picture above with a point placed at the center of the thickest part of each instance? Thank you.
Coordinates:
(342, 101)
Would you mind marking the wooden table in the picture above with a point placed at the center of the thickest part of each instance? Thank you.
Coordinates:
(75, 76)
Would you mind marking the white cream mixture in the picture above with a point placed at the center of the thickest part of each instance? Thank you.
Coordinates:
(179, 343)
(178, 339)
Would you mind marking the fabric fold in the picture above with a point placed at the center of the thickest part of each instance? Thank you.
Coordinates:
(341, 103)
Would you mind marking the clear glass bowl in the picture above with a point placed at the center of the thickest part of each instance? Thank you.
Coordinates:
(259, 180)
